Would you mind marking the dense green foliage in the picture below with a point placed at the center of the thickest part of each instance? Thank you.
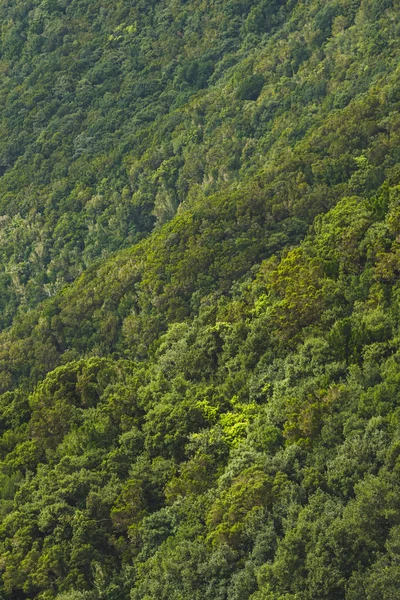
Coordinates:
(200, 354)
(113, 116)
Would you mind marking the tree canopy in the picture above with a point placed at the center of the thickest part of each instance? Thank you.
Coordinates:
(199, 292)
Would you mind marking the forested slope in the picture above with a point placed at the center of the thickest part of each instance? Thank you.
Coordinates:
(112, 116)
(199, 362)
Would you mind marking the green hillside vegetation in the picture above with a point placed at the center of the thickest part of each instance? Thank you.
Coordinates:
(200, 345)
(113, 116)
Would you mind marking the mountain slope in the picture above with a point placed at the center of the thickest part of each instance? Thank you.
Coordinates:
(258, 439)
(113, 116)
(206, 404)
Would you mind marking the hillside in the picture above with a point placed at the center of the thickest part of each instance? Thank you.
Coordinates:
(113, 116)
(199, 355)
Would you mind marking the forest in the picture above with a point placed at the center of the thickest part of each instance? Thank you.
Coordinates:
(200, 300)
